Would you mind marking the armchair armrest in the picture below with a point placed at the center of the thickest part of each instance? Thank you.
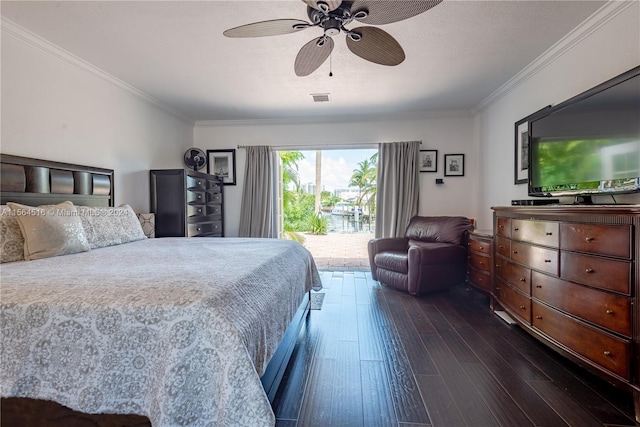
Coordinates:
(384, 244)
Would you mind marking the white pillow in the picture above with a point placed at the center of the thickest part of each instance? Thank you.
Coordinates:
(50, 230)
(108, 226)
(11, 240)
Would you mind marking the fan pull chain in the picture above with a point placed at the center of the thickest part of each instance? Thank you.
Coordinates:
(330, 65)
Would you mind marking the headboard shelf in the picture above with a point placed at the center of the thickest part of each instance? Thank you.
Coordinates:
(36, 182)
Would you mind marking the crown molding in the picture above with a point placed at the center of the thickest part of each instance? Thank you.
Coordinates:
(28, 38)
(573, 38)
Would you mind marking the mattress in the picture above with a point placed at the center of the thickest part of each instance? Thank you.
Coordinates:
(179, 330)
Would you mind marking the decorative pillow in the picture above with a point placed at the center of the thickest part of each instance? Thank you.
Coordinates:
(11, 240)
(110, 226)
(148, 223)
(50, 230)
(131, 225)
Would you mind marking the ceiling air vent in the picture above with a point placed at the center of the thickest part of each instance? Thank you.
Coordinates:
(320, 97)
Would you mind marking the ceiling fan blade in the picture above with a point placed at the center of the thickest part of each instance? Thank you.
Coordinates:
(274, 27)
(380, 12)
(330, 4)
(312, 55)
(376, 45)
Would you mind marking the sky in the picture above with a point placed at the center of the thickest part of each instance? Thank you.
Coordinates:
(337, 166)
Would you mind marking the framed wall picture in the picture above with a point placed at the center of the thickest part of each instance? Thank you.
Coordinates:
(222, 163)
(428, 161)
(521, 151)
(454, 165)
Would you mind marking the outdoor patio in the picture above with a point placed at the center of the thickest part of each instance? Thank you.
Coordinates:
(339, 251)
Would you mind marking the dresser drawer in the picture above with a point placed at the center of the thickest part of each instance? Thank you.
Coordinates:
(544, 233)
(480, 262)
(203, 229)
(214, 197)
(604, 309)
(480, 279)
(197, 211)
(599, 272)
(196, 184)
(195, 197)
(516, 275)
(503, 227)
(503, 246)
(610, 240)
(538, 258)
(604, 349)
(479, 245)
(214, 186)
(518, 304)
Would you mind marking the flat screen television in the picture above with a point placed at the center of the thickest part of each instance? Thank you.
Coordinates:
(588, 145)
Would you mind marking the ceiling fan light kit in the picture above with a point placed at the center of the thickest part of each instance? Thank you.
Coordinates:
(369, 43)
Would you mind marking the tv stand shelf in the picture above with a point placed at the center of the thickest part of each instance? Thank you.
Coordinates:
(570, 276)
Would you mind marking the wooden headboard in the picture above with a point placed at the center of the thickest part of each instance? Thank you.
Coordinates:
(37, 182)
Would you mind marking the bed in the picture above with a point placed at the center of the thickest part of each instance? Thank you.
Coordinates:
(184, 331)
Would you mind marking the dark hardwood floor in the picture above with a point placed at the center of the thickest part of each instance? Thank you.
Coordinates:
(374, 356)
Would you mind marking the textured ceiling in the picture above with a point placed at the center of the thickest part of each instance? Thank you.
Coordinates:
(457, 54)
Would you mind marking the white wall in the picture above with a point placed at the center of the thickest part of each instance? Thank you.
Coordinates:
(449, 133)
(603, 52)
(53, 109)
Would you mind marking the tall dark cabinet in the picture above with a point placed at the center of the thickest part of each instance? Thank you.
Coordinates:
(186, 203)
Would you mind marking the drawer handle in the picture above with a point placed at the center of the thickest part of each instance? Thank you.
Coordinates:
(516, 229)
(547, 260)
(515, 252)
(500, 247)
(522, 307)
(480, 280)
(522, 279)
(199, 196)
(199, 182)
(607, 353)
(589, 270)
(481, 263)
(539, 286)
(539, 317)
(501, 226)
(482, 248)
(589, 239)
(549, 233)
(198, 229)
(610, 312)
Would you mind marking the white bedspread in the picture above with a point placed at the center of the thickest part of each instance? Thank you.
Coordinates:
(179, 330)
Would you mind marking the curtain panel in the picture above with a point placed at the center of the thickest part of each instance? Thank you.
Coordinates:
(398, 187)
(258, 212)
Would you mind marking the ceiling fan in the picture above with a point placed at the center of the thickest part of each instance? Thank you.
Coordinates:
(370, 43)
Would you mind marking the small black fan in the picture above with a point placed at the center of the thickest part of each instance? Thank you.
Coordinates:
(195, 158)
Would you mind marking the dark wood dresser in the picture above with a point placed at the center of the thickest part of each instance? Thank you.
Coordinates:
(569, 275)
(480, 266)
(186, 203)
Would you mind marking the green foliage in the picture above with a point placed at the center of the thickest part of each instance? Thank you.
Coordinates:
(299, 208)
(365, 178)
(319, 224)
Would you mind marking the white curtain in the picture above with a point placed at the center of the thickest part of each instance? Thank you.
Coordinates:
(398, 187)
(258, 212)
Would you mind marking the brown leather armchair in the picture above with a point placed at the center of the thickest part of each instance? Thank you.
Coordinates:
(431, 256)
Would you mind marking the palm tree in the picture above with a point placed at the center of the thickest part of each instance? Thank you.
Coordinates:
(318, 182)
(365, 177)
